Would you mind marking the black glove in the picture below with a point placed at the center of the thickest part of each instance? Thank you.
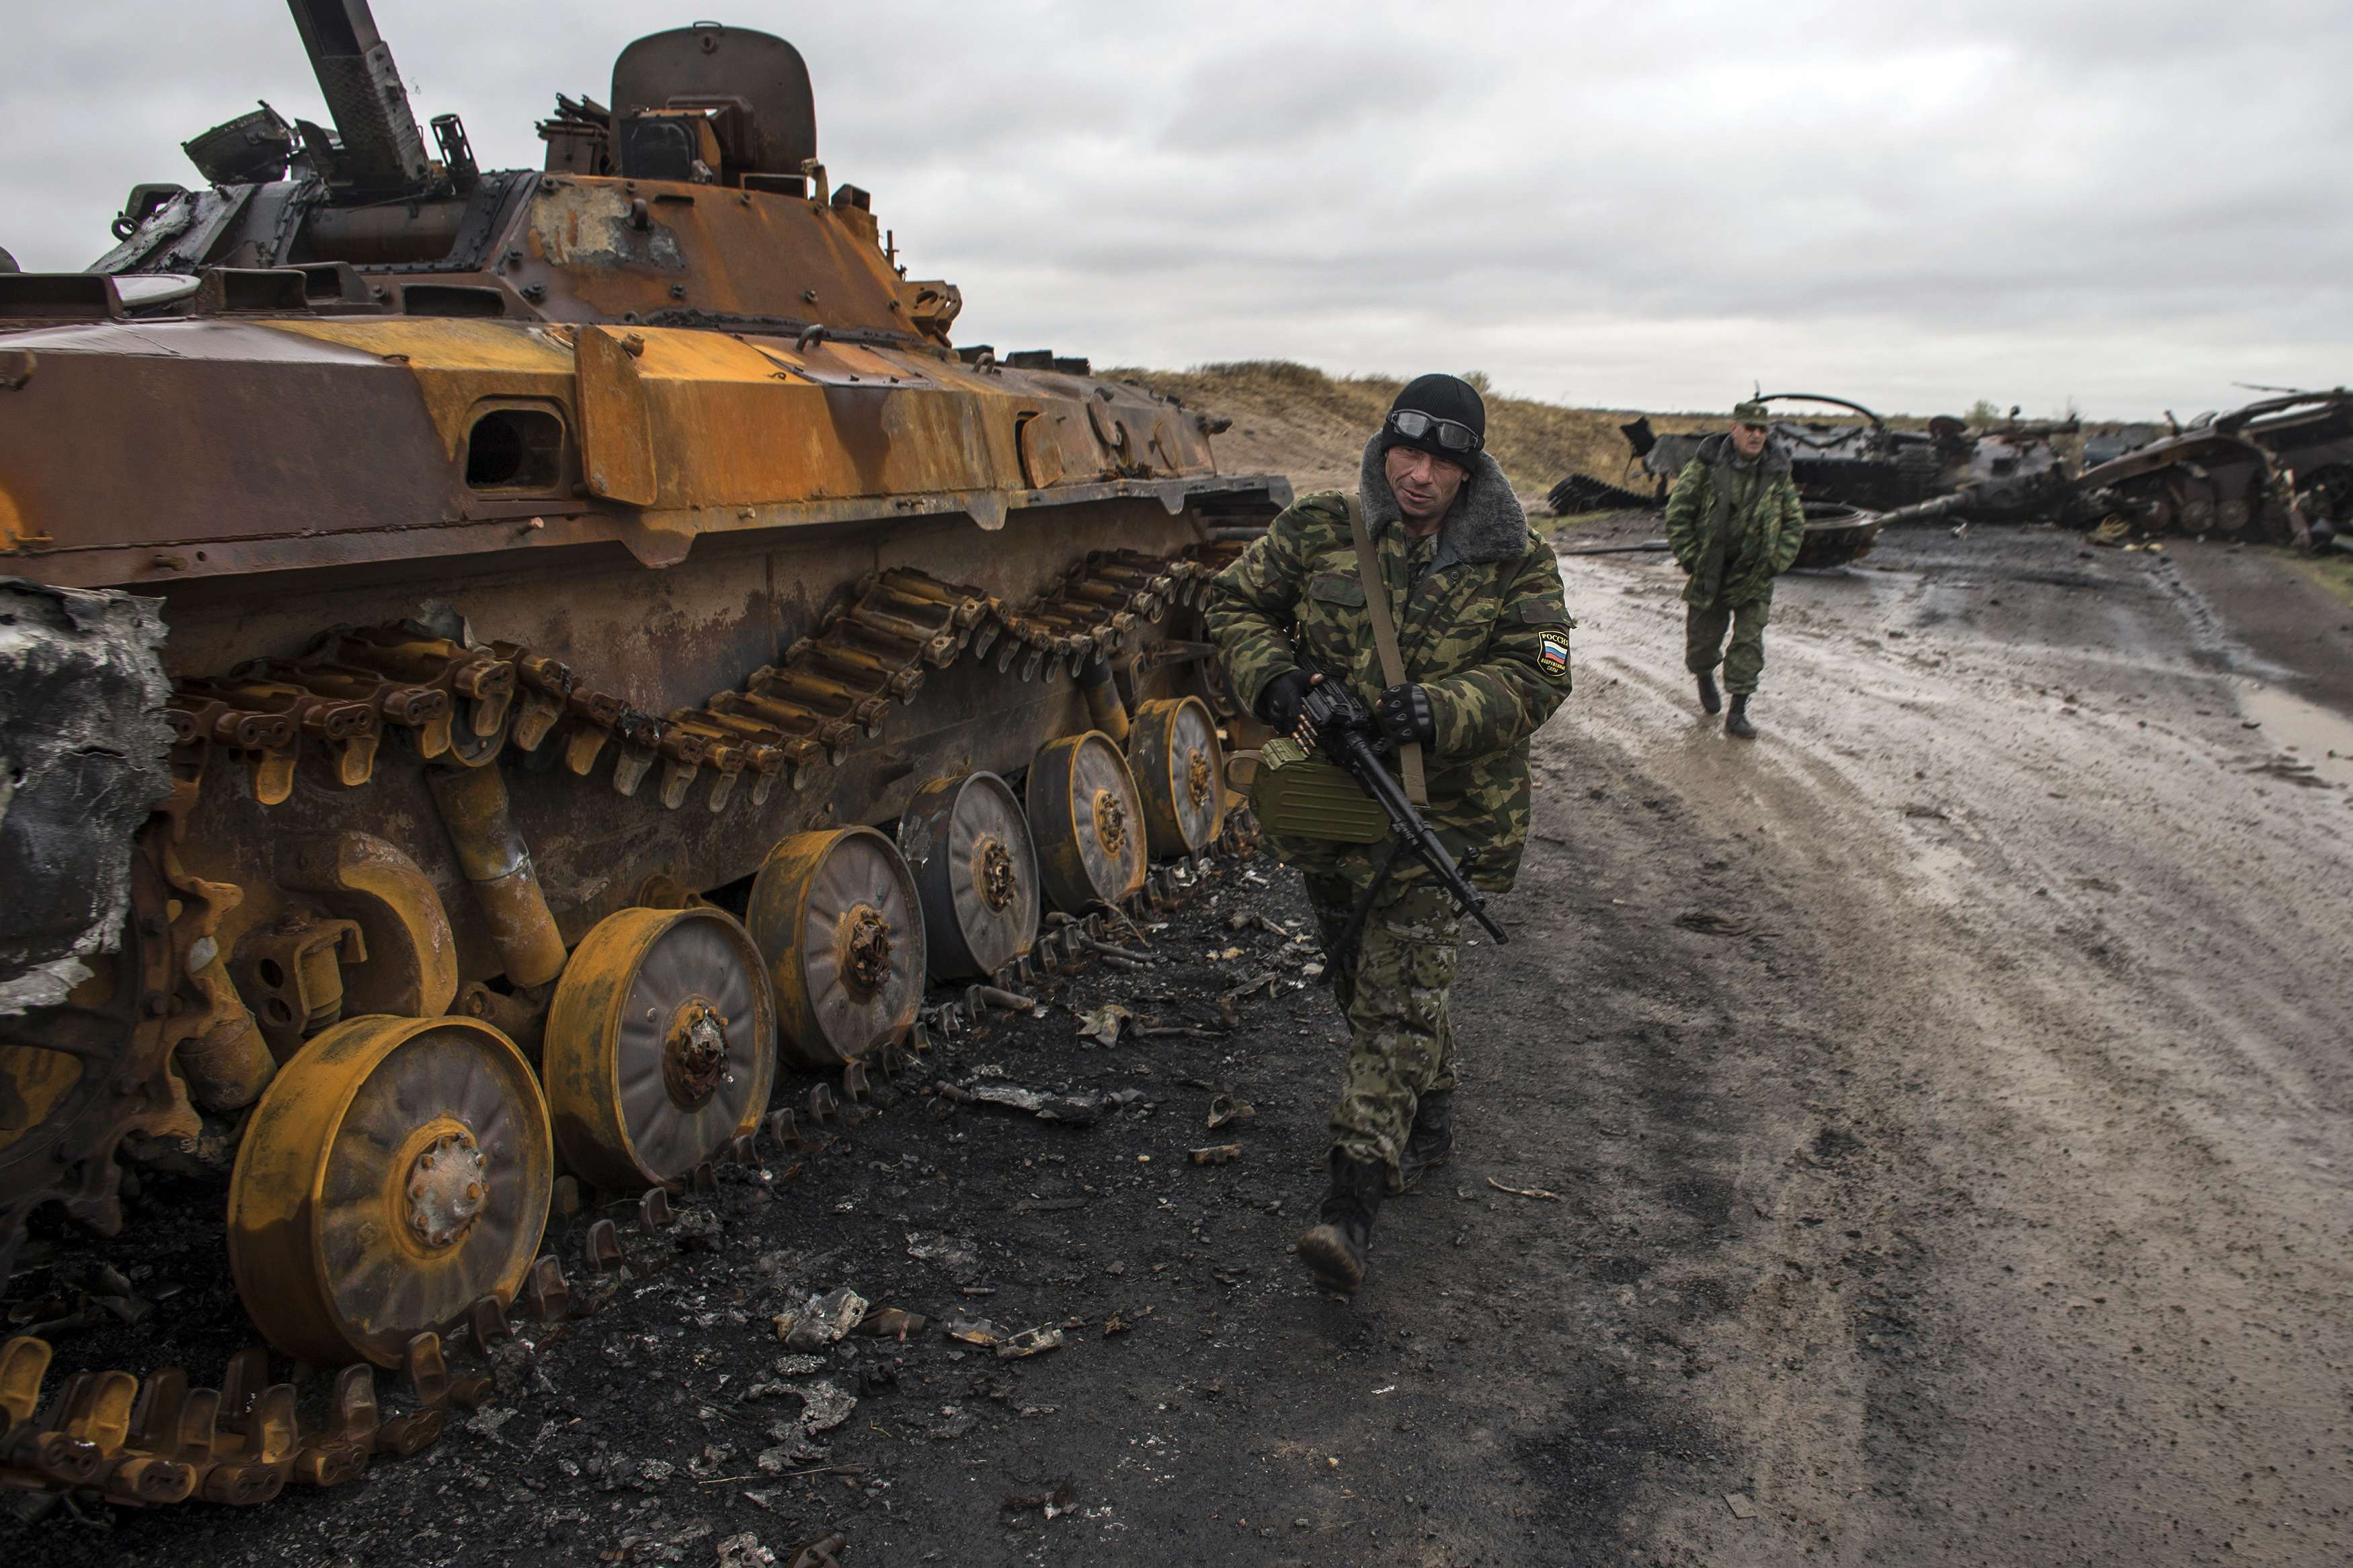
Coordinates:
(1279, 700)
(1405, 714)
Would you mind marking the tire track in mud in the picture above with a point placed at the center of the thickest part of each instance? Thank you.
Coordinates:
(1666, 1018)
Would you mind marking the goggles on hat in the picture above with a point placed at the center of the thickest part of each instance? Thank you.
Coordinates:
(1450, 434)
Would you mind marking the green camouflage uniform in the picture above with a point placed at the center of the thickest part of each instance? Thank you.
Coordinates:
(1392, 990)
(1482, 628)
(1735, 525)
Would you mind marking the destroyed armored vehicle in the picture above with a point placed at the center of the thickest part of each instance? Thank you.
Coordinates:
(2278, 469)
(470, 636)
(1835, 535)
(2006, 469)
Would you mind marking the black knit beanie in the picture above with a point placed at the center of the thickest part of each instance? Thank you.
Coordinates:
(1441, 396)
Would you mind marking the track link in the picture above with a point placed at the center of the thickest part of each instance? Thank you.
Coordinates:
(831, 691)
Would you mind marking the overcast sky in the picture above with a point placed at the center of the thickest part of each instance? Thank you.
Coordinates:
(2126, 206)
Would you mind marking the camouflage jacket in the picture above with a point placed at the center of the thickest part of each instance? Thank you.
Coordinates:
(1484, 632)
(1733, 531)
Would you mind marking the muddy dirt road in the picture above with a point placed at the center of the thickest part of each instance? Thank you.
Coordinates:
(2031, 1038)
(1946, 1097)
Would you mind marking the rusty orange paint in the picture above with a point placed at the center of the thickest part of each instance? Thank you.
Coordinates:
(595, 1049)
(324, 1212)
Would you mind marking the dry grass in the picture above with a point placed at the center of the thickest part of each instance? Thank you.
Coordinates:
(2333, 571)
(1296, 420)
(1292, 418)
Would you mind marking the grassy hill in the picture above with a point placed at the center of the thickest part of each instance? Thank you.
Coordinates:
(1292, 418)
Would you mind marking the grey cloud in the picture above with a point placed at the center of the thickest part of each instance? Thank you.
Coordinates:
(2127, 204)
(1286, 98)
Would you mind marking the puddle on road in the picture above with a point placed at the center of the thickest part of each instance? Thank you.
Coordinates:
(2299, 732)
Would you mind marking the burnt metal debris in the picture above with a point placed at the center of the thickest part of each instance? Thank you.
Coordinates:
(628, 540)
(2008, 468)
(1835, 534)
(2279, 469)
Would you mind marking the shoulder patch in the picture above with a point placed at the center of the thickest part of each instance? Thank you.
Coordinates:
(1552, 655)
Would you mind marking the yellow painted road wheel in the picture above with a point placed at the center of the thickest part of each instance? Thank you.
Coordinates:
(1179, 769)
(976, 873)
(837, 917)
(395, 1171)
(660, 1045)
(1088, 822)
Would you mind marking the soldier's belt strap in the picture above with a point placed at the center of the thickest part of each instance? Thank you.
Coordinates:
(1385, 643)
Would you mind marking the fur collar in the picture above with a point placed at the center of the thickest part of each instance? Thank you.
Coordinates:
(1717, 448)
(1485, 525)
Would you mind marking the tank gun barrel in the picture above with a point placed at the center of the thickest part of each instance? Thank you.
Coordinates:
(1647, 547)
(382, 147)
(1930, 510)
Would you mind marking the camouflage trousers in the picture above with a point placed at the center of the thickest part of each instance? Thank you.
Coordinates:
(1392, 990)
(1744, 662)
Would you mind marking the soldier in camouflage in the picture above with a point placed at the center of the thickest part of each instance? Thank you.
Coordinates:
(1485, 639)
(1734, 523)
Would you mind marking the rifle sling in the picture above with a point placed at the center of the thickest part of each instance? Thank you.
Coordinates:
(1385, 643)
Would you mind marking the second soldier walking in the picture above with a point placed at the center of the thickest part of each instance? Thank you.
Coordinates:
(1734, 522)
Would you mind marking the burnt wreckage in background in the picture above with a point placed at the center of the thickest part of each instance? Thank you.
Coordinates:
(2280, 469)
(520, 596)
(2007, 468)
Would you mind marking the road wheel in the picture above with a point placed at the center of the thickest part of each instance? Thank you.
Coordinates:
(660, 1045)
(1088, 821)
(837, 918)
(395, 1171)
(976, 872)
(1173, 749)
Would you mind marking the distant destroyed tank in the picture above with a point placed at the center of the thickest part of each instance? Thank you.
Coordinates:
(2279, 469)
(1835, 535)
(2005, 470)
(470, 636)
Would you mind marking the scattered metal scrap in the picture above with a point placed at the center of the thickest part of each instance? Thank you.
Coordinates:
(1525, 1191)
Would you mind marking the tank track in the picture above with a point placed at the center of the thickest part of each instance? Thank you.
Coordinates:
(1583, 493)
(439, 696)
(164, 1442)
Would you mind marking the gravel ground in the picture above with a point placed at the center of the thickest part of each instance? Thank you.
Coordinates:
(1936, 1110)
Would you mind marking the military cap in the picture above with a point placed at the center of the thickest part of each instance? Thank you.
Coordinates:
(1750, 412)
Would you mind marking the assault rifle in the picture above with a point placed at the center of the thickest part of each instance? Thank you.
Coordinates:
(1346, 731)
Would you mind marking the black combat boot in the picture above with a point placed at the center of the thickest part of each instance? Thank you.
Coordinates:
(1710, 699)
(1736, 723)
(1431, 1142)
(1333, 1250)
